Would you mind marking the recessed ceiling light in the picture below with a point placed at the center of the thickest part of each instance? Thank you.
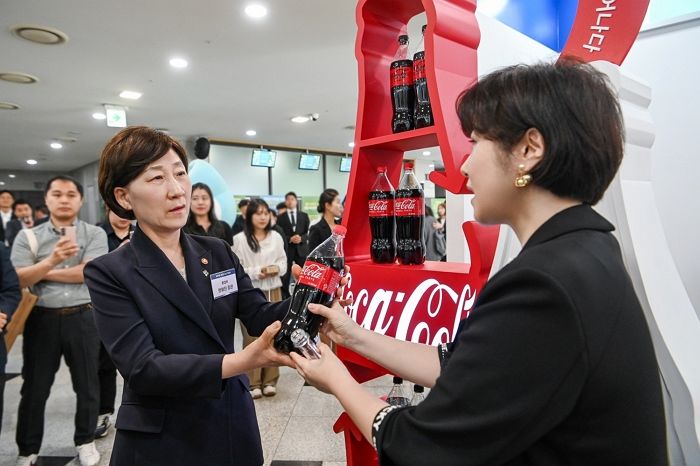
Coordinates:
(8, 106)
(12, 175)
(351, 144)
(18, 78)
(300, 119)
(99, 116)
(39, 34)
(56, 145)
(256, 10)
(426, 153)
(178, 62)
(2, 183)
(32, 162)
(251, 132)
(132, 95)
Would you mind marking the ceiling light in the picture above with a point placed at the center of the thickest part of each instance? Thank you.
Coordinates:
(351, 144)
(32, 162)
(132, 95)
(12, 175)
(426, 153)
(18, 78)
(99, 116)
(39, 34)
(8, 106)
(251, 132)
(178, 62)
(255, 10)
(2, 183)
(300, 119)
(56, 145)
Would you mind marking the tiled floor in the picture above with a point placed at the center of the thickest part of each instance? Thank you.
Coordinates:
(295, 425)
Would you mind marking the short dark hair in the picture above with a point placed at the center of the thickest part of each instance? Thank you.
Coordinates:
(126, 156)
(41, 208)
(574, 108)
(326, 197)
(243, 202)
(280, 205)
(70, 179)
(21, 202)
(291, 193)
(3, 191)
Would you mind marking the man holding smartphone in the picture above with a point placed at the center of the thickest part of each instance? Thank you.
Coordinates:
(50, 258)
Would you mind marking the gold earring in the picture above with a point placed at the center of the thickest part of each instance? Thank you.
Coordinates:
(523, 179)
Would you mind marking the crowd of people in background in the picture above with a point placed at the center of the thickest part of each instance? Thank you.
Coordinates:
(49, 262)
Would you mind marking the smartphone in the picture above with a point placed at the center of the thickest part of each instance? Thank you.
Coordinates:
(70, 233)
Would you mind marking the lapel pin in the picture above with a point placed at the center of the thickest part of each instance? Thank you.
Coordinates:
(206, 274)
(204, 261)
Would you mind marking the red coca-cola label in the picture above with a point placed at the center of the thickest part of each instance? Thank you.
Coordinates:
(320, 276)
(409, 207)
(402, 76)
(419, 69)
(381, 207)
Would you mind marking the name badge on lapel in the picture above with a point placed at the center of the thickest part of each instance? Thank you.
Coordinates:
(224, 283)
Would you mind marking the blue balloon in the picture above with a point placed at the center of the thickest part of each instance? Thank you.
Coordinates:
(224, 207)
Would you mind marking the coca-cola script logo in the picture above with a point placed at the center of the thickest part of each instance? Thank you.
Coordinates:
(427, 313)
(381, 208)
(406, 206)
(320, 277)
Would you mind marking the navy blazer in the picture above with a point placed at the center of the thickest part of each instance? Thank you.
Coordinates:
(168, 339)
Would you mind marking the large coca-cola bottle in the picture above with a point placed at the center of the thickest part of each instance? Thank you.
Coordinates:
(402, 93)
(381, 219)
(410, 212)
(317, 284)
(423, 114)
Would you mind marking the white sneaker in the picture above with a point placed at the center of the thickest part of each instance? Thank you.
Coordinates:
(26, 460)
(103, 423)
(256, 393)
(87, 454)
(269, 390)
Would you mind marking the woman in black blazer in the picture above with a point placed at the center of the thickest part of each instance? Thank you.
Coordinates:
(330, 209)
(165, 306)
(555, 364)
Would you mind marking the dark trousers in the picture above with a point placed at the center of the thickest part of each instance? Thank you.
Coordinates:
(2, 393)
(107, 374)
(292, 258)
(47, 336)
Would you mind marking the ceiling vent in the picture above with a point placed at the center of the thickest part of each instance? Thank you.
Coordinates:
(18, 78)
(39, 34)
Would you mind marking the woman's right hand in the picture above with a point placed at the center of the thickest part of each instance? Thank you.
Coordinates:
(338, 326)
(263, 353)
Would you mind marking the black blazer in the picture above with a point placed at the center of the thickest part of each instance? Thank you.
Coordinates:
(2, 227)
(10, 296)
(168, 339)
(554, 365)
(318, 233)
(300, 250)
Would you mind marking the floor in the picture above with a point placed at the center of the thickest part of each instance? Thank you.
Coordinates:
(295, 425)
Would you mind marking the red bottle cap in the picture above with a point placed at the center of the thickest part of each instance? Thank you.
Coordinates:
(381, 169)
(339, 230)
(408, 166)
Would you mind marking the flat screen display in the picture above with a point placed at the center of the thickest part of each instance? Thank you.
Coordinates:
(309, 161)
(263, 158)
(345, 164)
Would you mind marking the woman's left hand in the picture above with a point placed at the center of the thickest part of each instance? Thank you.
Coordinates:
(324, 373)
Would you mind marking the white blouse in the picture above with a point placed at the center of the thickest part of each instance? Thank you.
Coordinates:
(271, 252)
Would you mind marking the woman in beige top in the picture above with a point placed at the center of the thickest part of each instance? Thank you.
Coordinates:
(261, 252)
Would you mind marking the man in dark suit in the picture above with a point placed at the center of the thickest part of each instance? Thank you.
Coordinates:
(9, 299)
(237, 226)
(6, 214)
(295, 225)
(23, 218)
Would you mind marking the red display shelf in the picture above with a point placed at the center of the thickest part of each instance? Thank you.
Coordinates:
(408, 140)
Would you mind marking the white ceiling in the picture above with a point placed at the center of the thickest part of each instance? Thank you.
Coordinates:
(243, 74)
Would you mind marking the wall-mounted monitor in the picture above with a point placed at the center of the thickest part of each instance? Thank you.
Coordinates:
(263, 158)
(345, 164)
(309, 161)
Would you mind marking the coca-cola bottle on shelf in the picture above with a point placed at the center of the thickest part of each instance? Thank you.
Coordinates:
(423, 114)
(381, 219)
(402, 93)
(397, 395)
(410, 212)
(317, 284)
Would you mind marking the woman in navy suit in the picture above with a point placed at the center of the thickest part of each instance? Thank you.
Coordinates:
(555, 364)
(165, 306)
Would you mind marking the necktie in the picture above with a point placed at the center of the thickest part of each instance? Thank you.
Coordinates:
(294, 221)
